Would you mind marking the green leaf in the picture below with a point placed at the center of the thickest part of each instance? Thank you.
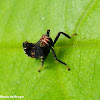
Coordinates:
(22, 20)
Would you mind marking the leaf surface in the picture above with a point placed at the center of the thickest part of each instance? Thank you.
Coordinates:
(22, 20)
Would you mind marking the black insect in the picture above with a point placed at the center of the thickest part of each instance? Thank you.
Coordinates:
(42, 48)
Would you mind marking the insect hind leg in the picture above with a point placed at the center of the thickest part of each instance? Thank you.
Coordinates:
(64, 35)
(55, 57)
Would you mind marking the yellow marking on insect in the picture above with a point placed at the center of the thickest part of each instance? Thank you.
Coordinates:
(73, 35)
(39, 69)
(32, 53)
(68, 68)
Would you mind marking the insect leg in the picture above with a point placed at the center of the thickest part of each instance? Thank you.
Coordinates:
(64, 35)
(48, 31)
(42, 60)
(55, 57)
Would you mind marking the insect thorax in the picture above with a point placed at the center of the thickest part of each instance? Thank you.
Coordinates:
(45, 41)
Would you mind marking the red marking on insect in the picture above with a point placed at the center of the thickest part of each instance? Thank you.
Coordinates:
(44, 40)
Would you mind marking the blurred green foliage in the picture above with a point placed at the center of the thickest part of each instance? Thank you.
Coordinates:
(22, 20)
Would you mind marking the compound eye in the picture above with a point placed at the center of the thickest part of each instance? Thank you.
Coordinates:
(25, 44)
(32, 45)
